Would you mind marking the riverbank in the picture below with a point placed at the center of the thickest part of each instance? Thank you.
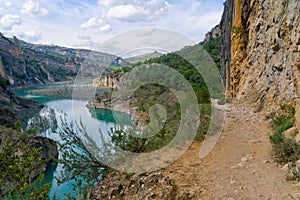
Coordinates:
(85, 92)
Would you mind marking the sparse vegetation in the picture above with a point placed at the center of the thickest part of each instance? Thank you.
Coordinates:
(285, 149)
(119, 71)
(238, 31)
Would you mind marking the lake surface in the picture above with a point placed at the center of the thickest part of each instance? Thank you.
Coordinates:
(49, 119)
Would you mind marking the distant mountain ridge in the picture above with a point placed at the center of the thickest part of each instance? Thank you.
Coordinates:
(144, 57)
(25, 64)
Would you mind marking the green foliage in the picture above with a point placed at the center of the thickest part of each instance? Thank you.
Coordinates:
(119, 71)
(6, 108)
(18, 126)
(189, 72)
(3, 83)
(16, 172)
(81, 158)
(213, 48)
(32, 62)
(284, 118)
(18, 75)
(238, 31)
(31, 131)
(107, 94)
(286, 149)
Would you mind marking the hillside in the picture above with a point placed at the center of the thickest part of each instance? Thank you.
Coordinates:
(13, 107)
(25, 64)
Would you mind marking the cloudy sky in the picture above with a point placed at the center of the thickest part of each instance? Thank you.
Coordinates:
(86, 23)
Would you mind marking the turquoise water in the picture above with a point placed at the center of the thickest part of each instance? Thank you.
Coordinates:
(48, 120)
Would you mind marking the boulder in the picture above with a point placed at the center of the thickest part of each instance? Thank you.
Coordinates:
(291, 133)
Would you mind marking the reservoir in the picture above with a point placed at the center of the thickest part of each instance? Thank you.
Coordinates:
(98, 123)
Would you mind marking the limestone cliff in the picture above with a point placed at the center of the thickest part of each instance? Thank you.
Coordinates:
(107, 81)
(213, 33)
(261, 52)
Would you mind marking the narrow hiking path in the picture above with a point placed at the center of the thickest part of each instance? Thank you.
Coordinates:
(239, 167)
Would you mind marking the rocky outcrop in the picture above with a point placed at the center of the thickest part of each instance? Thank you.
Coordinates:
(107, 81)
(213, 33)
(14, 108)
(25, 64)
(263, 66)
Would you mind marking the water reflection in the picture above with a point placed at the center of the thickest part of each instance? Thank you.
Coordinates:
(97, 123)
(44, 122)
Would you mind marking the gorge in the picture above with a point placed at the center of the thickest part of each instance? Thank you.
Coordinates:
(260, 66)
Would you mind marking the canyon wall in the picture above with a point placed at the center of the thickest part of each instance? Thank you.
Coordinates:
(25, 64)
(260, 50)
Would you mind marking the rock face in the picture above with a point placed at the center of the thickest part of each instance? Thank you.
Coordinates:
(25, 64)
(226, 43)
(213, 33)
(107, 81)
(13, 108)
(261, 52)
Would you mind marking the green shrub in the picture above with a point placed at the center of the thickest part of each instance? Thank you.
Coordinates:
(6, 108)
(222, 101)
(286, 150)
(3, 83)
(17, 126)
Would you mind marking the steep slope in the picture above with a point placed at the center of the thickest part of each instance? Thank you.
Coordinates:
(14, 108)
(25, 64)
(260, 52)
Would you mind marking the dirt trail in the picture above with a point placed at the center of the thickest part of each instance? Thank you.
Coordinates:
(240, 165)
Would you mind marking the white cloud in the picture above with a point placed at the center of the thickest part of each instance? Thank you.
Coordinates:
(147, 11)
(33, 8)
(92, 22)
(86, 42)
(8, 4)
(72, 18)
(30, 36)
(127, 12)
(7, 22)
(115, 2)
(105, 28)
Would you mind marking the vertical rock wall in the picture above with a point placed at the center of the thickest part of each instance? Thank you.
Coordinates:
(107, 81)
(264, 43)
